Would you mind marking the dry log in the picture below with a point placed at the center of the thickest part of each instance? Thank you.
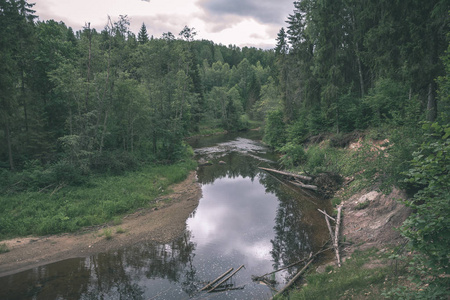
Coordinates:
(295, 190)
(295, 277)
(255, 278)
(215, 280)
(330, 230)
(302, 177)
(327, 215)
(226, 278)
(305, 186)
(228, 289)
(336, 235)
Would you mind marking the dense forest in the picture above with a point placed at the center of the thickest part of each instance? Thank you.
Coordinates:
(74, 104)
(88, 101)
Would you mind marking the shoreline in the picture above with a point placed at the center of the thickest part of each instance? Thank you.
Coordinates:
(160, 225)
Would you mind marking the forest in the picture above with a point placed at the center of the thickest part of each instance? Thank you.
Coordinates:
(74, 104)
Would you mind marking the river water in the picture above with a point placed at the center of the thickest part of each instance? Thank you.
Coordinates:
(245, 217)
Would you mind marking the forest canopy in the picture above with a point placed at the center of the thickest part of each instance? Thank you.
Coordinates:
(107, 101)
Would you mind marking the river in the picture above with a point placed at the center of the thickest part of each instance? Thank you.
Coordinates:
(245, 217)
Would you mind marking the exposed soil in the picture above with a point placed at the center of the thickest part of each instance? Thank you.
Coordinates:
(160, 225)
(371, 218)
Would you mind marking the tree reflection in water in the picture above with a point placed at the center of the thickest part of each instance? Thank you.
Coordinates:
(276, 220)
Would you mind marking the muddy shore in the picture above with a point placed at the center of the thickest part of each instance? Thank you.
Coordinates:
(159, 225)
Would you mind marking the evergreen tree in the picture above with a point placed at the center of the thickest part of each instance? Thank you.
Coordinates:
(143, 35)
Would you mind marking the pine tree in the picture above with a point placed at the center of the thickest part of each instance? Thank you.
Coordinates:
(143, 35)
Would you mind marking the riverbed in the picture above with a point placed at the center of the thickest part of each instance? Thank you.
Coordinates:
(245, 217)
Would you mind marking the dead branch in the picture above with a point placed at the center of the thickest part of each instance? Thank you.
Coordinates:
(327, 215)
(295, 277)
(305, 186)
(215, 280)
(302, 177)
(226, 278)
(336, 235)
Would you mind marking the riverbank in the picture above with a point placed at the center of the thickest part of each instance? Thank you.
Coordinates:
(160, 224)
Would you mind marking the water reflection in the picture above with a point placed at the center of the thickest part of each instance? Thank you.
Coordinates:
(245, 217)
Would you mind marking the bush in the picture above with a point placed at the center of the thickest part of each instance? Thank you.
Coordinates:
(294, 155)
(274, 133)
(428, 228)
(68, 173)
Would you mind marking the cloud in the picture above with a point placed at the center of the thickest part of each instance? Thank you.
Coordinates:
(264, 11)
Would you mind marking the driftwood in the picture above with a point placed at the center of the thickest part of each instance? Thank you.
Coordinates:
(336, 236)
(256, 278)
(227, 289)
(326, 215)
(215, 280)
(267, 283)
(295, 277)
(295, 190)
(305, 186)
(301, 177)
(330, 230)
(226, 278)
(311, 259)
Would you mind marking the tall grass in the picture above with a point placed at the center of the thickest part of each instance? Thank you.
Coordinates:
(71, 208)
(351, 281)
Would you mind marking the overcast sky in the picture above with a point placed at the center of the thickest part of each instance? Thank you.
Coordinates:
(253, 23)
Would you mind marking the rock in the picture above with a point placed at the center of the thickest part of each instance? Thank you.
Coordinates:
(203, 162)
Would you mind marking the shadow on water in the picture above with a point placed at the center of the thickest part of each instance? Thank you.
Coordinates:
(245, 217)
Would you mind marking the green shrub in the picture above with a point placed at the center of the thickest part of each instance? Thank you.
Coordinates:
(107, 233)
(293, 155)
(428, 227)
(315, 159)
(274, 131)
(120, 230)
(3, 248)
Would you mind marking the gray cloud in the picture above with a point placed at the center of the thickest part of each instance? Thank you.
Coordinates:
(264, 11)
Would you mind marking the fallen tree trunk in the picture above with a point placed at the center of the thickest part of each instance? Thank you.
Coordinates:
(294, 189)
(327, 215)
(304, 186)
(226, 278)
(255, 278)
(215, 280)
(295, 277)
(336, 236)
(302, 177)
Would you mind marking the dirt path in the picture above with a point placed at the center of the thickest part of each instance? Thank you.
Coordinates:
(161, 225)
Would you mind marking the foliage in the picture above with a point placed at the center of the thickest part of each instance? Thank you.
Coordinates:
(428, 228)
(106, 102)
(351, 281)
(293, 155)
(107, 233)
(274, 131)
(3, 248)
(67, 209)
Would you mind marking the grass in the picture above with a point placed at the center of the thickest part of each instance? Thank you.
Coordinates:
(362, 205)
(352, 280)
(3, 248)
(120, 230)
(107, 233)
(105, 199)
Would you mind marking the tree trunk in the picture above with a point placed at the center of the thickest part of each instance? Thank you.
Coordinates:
(8, 141)
(86, 100)
(361, 78)
(25, 113)
(431, 105)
